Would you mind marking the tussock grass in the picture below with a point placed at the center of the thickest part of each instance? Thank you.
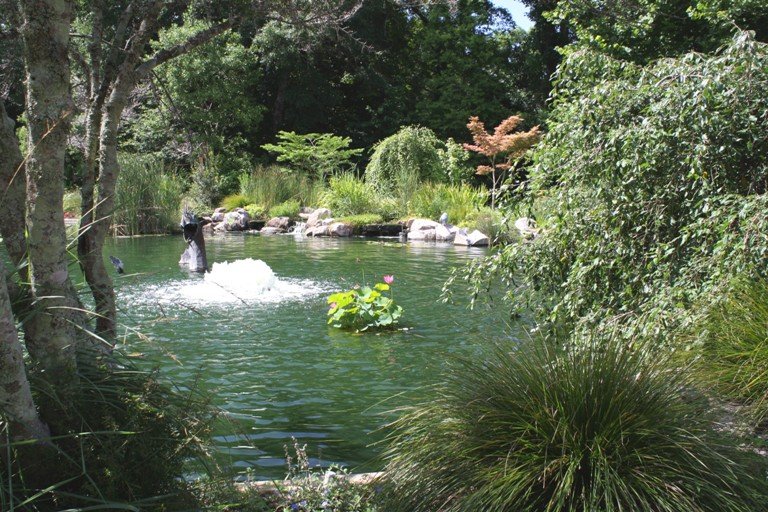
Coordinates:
(598, 428)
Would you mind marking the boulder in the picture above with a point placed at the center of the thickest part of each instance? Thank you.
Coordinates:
(425, 235)
(218, 216)
(340, 229)
(316, 217)
(256, 224)
(236, 220)
(319, 230)
(269, 230)
(473, 239)
(284, 223)
(422, 224)
(444, 234)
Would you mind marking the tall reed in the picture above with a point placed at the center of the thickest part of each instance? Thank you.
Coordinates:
(147, 198)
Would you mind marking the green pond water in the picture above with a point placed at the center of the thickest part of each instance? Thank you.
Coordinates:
(267, 356)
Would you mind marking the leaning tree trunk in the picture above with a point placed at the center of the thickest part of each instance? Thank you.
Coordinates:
(54, 327)
(16, 402)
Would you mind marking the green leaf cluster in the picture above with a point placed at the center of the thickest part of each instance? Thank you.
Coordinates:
(315, 154)
(657, 176)
(364, 308)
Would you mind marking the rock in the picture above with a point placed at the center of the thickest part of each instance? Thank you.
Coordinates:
(269, 230)
(283, 223)
(421, 224)
(526, 227)
(218, 216)
(473, 239)
(444, 234)
(340, 229)
(317, 216)
(220, 209)
(426, 235)
(320, 230)
(236, 220)
(220, 227)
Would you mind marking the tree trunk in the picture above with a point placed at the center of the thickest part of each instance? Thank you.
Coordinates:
(12, 191)
(53, 328)
(16, 401)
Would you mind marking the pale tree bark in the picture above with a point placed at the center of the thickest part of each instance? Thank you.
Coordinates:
(53, 328)
(16, 401)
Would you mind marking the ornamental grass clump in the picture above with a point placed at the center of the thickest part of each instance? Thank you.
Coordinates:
(732, 349)
(593, 428)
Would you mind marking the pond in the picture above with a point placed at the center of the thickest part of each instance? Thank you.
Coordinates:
(269, 359)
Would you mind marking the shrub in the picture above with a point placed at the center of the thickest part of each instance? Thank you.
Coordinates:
(347, 195)
(454, 161)
(490, 222)
(732, 347)
(233, 201)
(430, 200)
(317, 155)
(287, 209)
(597, 427)
(256, 211)
(403, 159)
(659, 174)
(147, 199)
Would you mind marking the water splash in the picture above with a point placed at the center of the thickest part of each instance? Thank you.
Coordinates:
(245, 281)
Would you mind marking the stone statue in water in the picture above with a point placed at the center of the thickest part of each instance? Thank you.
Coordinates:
(193, 257)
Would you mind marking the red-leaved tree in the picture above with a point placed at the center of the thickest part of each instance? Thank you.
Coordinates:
(502, 148)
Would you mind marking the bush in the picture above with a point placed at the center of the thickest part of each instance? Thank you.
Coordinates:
(287, 209)
(404, 159)
(454, 161)
(731, 348)
(596, 427)
(317, 155)
(233, 201)
(147, 199)
(256, 211)
(430, 200)
(361, 220)
(490, 222)
(347, 195)
(659, 175)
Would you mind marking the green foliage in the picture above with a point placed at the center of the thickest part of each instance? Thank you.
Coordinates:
(594, 427)
(256, 211)
(289, 208)
(731, 351)
(314, 490)
(348, 195)
(363, 308)
(271, 186)
(122, 438)
(454, 161)
(315, 154)
(233, 201)
(658, 175)
(72, 201)
(402, 159)
(147, 198)
(430, 200)
(362, 219)
(206, 187)
(491, 222)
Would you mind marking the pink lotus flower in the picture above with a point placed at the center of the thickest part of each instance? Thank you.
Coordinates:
(389, 279)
